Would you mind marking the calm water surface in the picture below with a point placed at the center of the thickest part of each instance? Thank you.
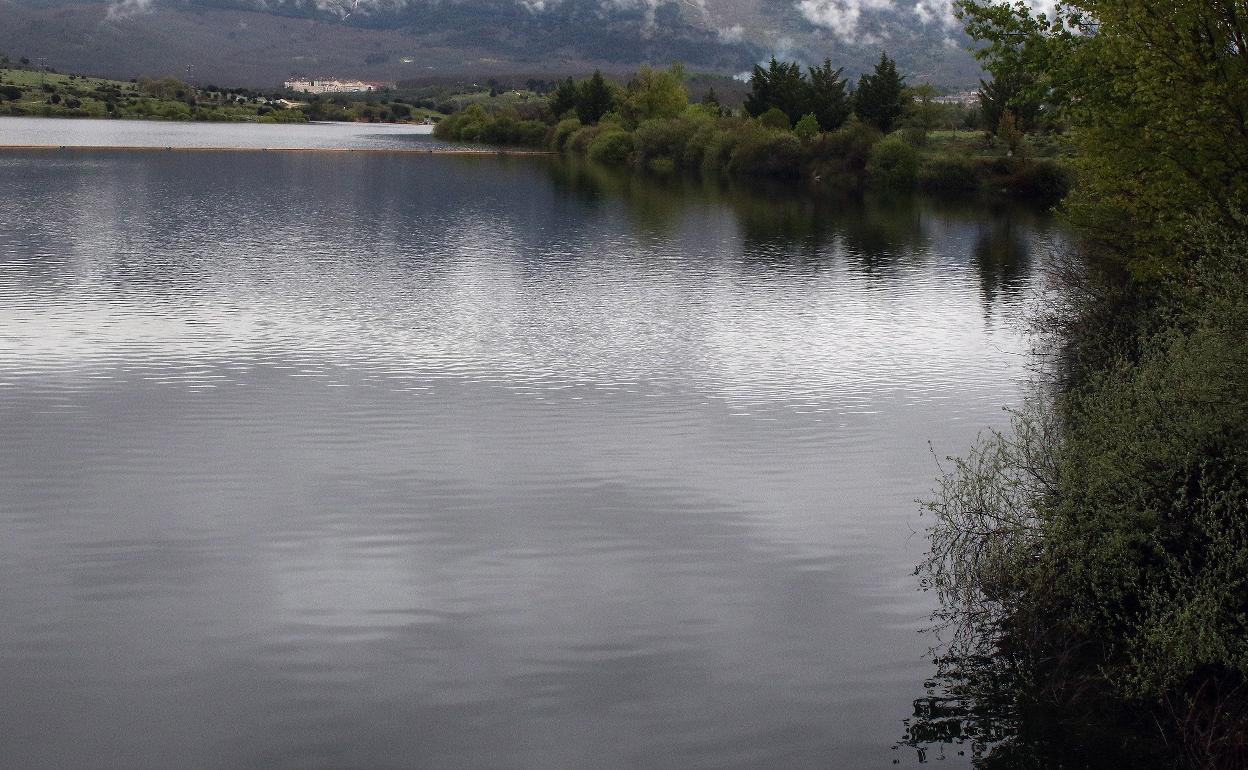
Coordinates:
(361, 461)
(155, 133)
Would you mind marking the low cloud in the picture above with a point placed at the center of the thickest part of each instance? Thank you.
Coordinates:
(124, 9)
(842, 17)
(846, 18)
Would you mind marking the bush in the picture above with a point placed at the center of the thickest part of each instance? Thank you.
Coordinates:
(893, 164)
(717, 151)
(775, 118)
(661, 166)
(1042, 180)
(1103, 543)
(584, 136)
(476, 124)
(949, 175)
(665, 138)
(808, 127)
(850, 146)
(564, 129)
(767, 153)
(611, 147)
(697, 145)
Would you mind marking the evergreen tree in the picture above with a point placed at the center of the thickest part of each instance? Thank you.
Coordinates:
(564, 98)
(711, 100)
(594, 99)
(879, 100)
(829, 98)
(782, 86)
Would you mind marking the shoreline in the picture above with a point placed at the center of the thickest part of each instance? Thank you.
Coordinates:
(365, 150)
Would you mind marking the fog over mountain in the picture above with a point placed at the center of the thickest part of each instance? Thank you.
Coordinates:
(259, 42)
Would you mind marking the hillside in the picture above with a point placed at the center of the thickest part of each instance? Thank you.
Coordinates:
(238, 42)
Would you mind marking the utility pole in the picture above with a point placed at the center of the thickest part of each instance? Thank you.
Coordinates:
(42, 62)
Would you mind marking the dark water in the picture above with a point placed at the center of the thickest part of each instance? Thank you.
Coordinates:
(347, 461)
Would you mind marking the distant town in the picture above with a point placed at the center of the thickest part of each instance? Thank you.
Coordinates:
(334, 86)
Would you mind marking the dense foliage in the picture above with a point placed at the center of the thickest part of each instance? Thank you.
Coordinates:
(783, 132)
(783, 87)
(1099, 550)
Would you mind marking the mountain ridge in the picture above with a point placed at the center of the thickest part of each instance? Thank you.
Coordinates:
(242, 42)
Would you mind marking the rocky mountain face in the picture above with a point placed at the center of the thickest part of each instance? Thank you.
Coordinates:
(260, 42)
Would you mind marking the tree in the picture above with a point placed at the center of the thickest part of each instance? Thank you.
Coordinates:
(808, 127)
(1019, 50)
(782, 86)
(564, 98)
(594, 99)
(712, 102)
(1155, 94)
(1108, 540)
(880, 99)
(829, 97)
(654, 94)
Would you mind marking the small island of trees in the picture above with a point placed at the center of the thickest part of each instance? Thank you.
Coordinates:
(798, 123)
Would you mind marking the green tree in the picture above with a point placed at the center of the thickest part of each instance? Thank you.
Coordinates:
(564, 98)
(654, 94)
(711, 100)
(829, 96)
(1104, 541)
(593, 99)
(1020, 50)
(808, 127)
(880, 98)
(782, 86)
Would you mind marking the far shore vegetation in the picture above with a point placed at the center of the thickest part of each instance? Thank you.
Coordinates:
(797, 123)
(26, 89)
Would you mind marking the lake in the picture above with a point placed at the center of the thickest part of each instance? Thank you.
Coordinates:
(330, 460)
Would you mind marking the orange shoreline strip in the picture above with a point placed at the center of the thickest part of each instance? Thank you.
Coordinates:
(364, 150)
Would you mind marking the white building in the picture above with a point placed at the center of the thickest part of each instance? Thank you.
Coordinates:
(332, 86)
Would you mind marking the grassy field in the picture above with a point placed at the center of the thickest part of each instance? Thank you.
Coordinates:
(31, 92)
(26, 91)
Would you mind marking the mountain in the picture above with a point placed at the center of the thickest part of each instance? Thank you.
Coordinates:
(261, 42)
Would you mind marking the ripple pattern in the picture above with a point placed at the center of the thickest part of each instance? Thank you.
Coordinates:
(351, 461)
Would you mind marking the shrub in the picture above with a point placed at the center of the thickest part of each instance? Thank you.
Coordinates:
(767, 153)
(564, 129)
(698, 144)
(775, 118)
(662, 139)
(584, 136)
(850, 145)
(893, 164)
(1042, 180)
(808, 127)
(662, 166)
(612, 147)
(949, 175)
(717, 152)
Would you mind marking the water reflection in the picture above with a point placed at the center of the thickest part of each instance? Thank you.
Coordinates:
(320, 461)
(984, 708)
(1002, 256)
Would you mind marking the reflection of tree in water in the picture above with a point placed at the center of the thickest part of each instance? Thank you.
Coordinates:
(654, 203)
(1001, 257)
(881, 233)
(986, 707)
(787, 226)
